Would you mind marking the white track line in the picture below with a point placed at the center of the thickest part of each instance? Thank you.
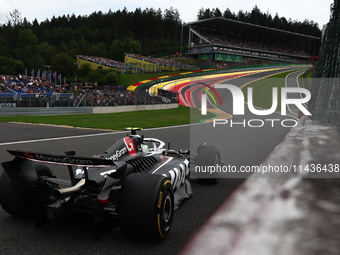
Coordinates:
(296, 114)
(91, 135)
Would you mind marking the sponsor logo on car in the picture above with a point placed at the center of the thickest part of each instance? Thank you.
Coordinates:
(160, 199)
(118, 154)
(130, 145)
(178, 175)
(66, 160)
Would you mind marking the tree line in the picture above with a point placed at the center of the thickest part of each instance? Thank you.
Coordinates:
(55, 43)
(255, 16)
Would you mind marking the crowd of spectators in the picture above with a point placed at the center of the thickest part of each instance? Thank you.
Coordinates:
(247, 45)
(56, 96)
(161, 61)
(246, 52)
(22, 84)
(114, 98)
(124, 67)
(106, 62)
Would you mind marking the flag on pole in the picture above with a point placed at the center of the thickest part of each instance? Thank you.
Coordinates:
(44, 75)
(55, 77)
(59, 79)
(38, 74)
(32, 73)
(64, 82)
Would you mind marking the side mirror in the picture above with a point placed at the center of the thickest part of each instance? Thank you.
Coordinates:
(182, 151)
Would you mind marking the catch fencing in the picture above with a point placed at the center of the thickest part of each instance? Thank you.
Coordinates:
(82, 99)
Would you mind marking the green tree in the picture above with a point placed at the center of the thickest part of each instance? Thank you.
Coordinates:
(208, 14)
(5, 50)
(17, 68)
(255, 16)
(217, 13)
(11, 66)
(110, 78)
(200, 15)
(26, 50)
(26, 38)
(98, 50)
(116, 51)
(94, 76)
(84, 69)
(47, 51)
(83, 46)
(15, 18)
(228, 14)
(132, 46)
(63, 63)
(63, 47)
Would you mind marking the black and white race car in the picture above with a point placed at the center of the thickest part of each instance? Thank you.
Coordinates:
(137, 183)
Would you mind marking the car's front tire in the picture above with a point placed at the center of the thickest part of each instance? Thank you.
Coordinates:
(208, 156)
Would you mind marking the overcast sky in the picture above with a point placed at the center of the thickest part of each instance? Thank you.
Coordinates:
(316, 10)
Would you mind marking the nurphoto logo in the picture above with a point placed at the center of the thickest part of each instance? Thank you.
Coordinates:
(238, 104)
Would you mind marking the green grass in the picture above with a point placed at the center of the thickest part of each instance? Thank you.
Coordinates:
(262, 90)
(117, 121)
(128, 79)
(307, 82)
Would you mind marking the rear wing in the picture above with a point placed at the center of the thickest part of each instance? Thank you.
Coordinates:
(63, 160)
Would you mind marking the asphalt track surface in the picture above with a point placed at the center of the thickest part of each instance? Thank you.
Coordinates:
(76, 234)
(242, 144)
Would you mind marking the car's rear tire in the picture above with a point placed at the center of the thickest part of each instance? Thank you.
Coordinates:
(208, 156)
(146, 206)
(15, 203)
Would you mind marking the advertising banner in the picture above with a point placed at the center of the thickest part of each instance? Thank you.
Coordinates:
(228, 58)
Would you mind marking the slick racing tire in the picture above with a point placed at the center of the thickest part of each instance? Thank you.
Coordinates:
(208, 156)
(146, 206)
(14, 203)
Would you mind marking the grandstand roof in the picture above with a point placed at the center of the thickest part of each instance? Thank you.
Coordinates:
(222, 24)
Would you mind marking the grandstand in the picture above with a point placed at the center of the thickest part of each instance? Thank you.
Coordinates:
(225, 40)
(157, 64)
(135, 63)
(103, 63)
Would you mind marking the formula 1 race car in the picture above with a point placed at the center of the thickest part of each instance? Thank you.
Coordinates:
(137, 182)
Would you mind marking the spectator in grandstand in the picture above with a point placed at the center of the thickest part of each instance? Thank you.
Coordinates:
(106, 62)
(19, 84)
(246, 43)
(114, 98)
(160, 61)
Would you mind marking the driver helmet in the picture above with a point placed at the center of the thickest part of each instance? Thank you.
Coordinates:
(144, 148)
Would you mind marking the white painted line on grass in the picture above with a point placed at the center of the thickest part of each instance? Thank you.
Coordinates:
(296, 114)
